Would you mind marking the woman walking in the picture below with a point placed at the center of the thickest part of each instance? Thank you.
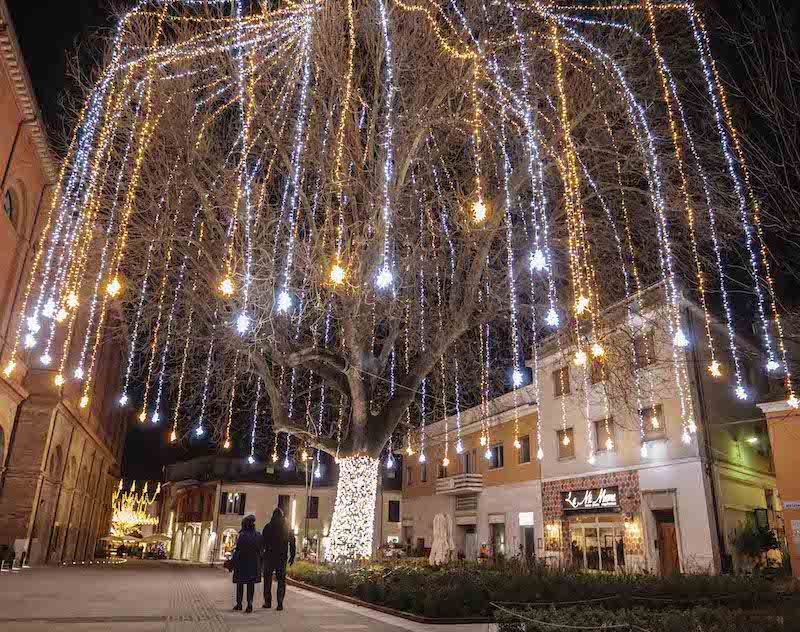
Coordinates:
(246, 562)
(279, 547)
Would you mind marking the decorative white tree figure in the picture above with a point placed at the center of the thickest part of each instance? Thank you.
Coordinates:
(349, 208)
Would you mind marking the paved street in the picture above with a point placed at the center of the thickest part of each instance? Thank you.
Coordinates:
(149, 596)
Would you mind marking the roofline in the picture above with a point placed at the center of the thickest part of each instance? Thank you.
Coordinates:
(15, 62)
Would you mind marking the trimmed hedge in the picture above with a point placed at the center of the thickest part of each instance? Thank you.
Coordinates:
(467, 589)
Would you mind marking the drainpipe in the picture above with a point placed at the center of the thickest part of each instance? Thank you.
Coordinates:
(707, 455)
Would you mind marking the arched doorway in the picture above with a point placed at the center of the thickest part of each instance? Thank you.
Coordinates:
(177, 543)
(227, 543)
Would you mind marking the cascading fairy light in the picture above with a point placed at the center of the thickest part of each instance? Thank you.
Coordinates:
(235, 376)
(386, 274)
(179, 398)
(199, 429)
(352, 524)
(254, 424)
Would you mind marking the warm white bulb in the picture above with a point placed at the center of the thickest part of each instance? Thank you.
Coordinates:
(538, 261)
(59, 380)
(459, 447)
(389, 463)
(286, 464)
(609, 444)
(479, 211)
(591, 459)
(84, 402)
(692, 427)
(337, 274)
(422, 458)
(226, 287)
(242, 323)
(30, 341)
(654, 422)
(565, 440)
(143, 416)
(540, 454)
(793, 401)
(581, 305)
(680, 339)
(517, 444)
(643, 451)
(445, 461)
(9, 368)
(384, 278)
(284, 301)
(78, 373)
(227, 444)
(488, 454)
(714, 369)
(552, 317)
(61, 315)
(72, 300)
(517, 378)
(580, 358)
(46, 359)
(409, 450)
(597, 350)
(173, 437)
(685, 437)
(483, 439)
(114, 287)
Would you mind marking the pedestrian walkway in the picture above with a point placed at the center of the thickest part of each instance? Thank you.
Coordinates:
(149, 596)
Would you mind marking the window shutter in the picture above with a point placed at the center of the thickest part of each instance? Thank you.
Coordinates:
(223, 503)
(242, 499)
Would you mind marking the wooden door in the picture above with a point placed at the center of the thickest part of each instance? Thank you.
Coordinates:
(668, 548)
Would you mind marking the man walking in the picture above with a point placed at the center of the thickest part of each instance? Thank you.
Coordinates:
(279, 547)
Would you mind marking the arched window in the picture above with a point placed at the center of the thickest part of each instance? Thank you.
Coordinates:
(10, 207)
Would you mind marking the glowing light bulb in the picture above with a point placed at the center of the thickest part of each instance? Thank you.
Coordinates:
(538, 262)
(84, 402)
(445, 461)
(286, 463)
(33, 324)
(9, 368)
(580, 358)
(242, 323)
(517, 378)
(155, 418)
(483, 439)
(479, 211)
(609, 444)
(384, 278)
(517, 444)
(793, 401)
(389, 462)
(49, 309)
(741, 393)
(274, 457)
(409, 451)
(692, 427)
(46, 359)
(581, 305)
(142, 416)
(540, 454)
(227, 444)
(304, 456)
(592, 459)
(714, 369)
(123, 399)
(422, 458)
(686, 438)
(772, 365)
(597, 350)
(680, 339)
(59, 380)
(251, 459)
(459, 447)
(72, 300)
(226, 287)
(552, 317)
(488, 454)
(173, 437)
(30, 341)
(654, 422)
(565, 440)
(199, 431)
(284, 301)
(113, 288)
(61, 315)
(78, 373)
(317, 473)
(337, 274)
(643, 451)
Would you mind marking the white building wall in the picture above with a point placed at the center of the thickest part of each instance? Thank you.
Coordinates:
(510, 500)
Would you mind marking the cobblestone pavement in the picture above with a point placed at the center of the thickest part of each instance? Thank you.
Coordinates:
(149, 596)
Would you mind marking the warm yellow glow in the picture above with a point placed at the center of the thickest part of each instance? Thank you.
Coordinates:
(61, 315)
(409, 451)
(580, 358)
(337, 274)
(227, 444)
(173, 437)
(565, 440)
(142, 416)
(479, 211)
(597, 350)
(72, 300)
(581, 305)
(793, 401)
(445, 462)
(84, 401)
(226, 287)
(609, 444)
(9, 368)
(714, 369)
(483, 439)
(304, 455)
(517, 444)
(114, 287)
(59, 380)
(654, 422)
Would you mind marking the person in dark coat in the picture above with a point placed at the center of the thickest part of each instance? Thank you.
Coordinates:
(279, 548)
(246, 561)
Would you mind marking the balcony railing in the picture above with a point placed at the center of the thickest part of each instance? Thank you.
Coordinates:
(460, 484)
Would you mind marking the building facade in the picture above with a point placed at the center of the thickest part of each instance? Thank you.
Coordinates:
(609, 493)
(59, 463)
(205, 499)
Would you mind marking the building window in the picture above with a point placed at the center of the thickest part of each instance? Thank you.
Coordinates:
(525, 449)
(394, 511)
(604, 435)
(423, 473)
(655, 426)
(496, 460)
(598, 372)
(231, 503)
(312, 511)
(566, 443)
(284, 500)
(470, 459)
(644, 347)
(409, 480)
(201, 506)
(561, 381)
(442, 471)
(9, 208)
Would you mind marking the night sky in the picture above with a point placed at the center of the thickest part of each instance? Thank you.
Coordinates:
(53, 31)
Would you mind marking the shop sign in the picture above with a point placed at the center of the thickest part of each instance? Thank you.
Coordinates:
(589, 499)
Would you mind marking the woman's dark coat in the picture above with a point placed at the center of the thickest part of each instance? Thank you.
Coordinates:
(246, 557)
(279, 543)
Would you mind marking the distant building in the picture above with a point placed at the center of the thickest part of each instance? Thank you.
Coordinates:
(59, 463)
(204, 500)
(675, 506)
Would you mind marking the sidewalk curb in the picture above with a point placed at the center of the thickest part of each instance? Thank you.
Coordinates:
(386, 610)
